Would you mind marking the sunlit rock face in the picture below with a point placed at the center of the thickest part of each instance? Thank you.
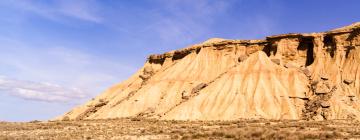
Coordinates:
(291, 76)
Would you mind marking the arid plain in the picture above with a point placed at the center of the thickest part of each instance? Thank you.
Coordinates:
(139, 128)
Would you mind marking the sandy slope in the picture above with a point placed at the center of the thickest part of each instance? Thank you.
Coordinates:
(289, 76)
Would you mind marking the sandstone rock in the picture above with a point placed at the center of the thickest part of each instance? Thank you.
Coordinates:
(146, 75)
(325, 113)
(314, 82)
(348, 81)
(184, 96)
(148, 71)
(322, 89)
(256, 87)
(242, 58)
(324, 77)
(306, 72)
(198, 88)
(352, 98)
(325, 104)
(100, 104)
(276, 61)
(102, 100)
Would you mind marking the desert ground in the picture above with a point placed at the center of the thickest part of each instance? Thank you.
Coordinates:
(138, 128)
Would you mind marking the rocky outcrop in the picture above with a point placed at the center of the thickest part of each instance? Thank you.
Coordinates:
(90, 110)
(146, 75)
(290, 76)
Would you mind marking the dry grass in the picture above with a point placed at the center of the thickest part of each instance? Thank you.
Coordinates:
(134, 128)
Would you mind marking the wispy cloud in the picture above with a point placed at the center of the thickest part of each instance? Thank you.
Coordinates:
(39, 91)
(72, 73)
(185, 21)
(60, 10)
(81, 9)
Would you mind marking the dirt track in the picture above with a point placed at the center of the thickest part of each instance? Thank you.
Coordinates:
(152, 129)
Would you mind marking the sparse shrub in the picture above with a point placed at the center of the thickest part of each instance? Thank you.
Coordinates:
(34, 121)
(256, 133)
(302, 127)
(135, 119)
(230, 136)
(186, 137)
(196, 136)
(218, 133)
(175, 137)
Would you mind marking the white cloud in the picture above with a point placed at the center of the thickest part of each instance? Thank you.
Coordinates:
(39, 91)
(69, 71)
(60, 10)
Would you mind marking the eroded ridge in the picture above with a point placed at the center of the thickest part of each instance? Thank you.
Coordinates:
(311, 76)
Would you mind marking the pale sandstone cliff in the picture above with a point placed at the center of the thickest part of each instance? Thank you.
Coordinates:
(289, 76)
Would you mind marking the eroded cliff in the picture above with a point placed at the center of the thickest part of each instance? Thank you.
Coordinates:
(289, 76)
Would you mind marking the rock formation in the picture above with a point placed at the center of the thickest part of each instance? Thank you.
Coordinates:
(312, 76)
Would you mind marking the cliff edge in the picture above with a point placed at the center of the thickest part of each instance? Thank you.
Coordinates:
(313, 76)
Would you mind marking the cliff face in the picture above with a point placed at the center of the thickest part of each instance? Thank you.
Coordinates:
(290, 76)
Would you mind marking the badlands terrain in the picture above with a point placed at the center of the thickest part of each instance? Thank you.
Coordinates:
(289, 86)
(311, 76)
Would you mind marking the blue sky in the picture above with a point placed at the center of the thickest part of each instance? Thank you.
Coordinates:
(56, 54)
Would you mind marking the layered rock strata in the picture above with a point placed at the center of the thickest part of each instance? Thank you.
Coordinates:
(312, 76)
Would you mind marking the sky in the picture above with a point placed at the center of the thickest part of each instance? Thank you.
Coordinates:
(57, 54)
